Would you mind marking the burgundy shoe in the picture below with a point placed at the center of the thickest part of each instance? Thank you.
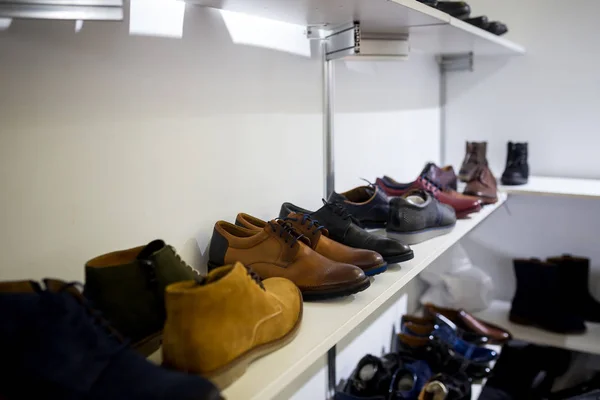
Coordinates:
(463, 205)
(444, 177)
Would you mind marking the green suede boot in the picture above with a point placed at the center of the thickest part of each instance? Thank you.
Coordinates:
(128, 287)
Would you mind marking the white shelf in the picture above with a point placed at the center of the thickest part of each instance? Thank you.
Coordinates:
(542, 185)
(477, 388)
(325, 323)
(588, 342)
(430, 31)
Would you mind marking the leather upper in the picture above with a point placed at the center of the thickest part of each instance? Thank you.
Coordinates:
(468, 322)
(475, 156)
(368, 204)
(444, 177)
(457, 9)
(320, 242)
(276, 252)
(483, 184)
(342, 229)
(212, 322)
(463, 205)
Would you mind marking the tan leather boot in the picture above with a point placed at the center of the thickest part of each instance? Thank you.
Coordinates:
(278, 251)
(217, 325)
(370, 262)
(483, 185)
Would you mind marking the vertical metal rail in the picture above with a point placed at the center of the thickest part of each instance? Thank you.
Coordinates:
(443, 100)
(328, 121)
(331, 372)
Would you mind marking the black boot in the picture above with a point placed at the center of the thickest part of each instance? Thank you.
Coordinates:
(574, 276)
(517, 169)
(541, 299)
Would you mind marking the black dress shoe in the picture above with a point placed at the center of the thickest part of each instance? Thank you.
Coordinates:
(457, 9)
(430, 3)
(497, 28)
(344, 228)
(372, 376)
(480, 22)
(368, 204)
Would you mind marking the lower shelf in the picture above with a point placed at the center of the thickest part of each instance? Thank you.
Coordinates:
(588, 342)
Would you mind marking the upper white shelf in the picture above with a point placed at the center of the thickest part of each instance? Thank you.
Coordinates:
(430, 31)
(325, 323)
(588, 342)
(557, 187)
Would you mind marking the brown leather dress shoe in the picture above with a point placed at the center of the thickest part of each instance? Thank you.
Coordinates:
(483, 185)
(370, 262)
(469, 323)
(278, 251)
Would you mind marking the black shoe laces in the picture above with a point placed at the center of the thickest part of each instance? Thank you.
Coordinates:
(340, 209)
(286, 231)
(519, 159)
(311, 223)
(256, 277)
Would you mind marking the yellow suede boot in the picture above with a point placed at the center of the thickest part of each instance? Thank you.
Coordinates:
(217, 326)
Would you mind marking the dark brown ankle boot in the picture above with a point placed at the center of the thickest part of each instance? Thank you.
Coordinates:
(475, 157)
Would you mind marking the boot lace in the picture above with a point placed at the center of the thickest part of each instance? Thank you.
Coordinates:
(311, 223)
(286, 232)
(340, 209)
(519, 159)
(430, 185)
(255, 277)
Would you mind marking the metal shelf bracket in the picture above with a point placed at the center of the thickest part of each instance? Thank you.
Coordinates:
(456, 62)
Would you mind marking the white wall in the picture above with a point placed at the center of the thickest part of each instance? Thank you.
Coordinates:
(549, 97)
(109, 140)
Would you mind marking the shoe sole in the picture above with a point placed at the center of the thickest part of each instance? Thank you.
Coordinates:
(376, 270)
(527, 322)
(400, 258)
(229, 373)
(513, 182)
(465, 213)
(331, 293)
(485, 200)
(417, 237)
(148, 345)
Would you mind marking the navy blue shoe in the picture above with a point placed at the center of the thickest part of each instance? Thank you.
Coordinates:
(368, 204)
(408, 381)
(58, 347)
(446, 331)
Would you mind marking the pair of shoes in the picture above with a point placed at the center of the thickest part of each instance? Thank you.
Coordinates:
(474, 330)
(447, 332)
(59, 347)
(457, 9)
(427, 181)
(517, 168)
(148, 288)
(391, 377)
(475, 171)
(344, 228)
(276, 249)
(554, 295)
(441, 356)
(495, 27)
